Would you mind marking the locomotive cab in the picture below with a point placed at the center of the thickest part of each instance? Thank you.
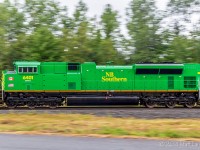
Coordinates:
(18, 81)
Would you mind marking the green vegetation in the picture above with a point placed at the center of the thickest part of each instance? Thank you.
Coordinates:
(76, 124)
(42, 30)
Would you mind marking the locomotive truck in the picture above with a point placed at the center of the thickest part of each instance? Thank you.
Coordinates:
(56, 84)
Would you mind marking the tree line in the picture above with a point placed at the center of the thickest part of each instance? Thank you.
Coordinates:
(42, 30)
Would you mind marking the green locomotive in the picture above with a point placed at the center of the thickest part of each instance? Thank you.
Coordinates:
(58, 83)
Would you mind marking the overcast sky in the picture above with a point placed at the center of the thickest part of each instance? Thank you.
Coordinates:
(97, 6)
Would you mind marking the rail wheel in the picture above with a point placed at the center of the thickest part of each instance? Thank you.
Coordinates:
(53, 105)
(190, 103)
(31, 104)
(149, 103)
(11, 104)
(170, 104)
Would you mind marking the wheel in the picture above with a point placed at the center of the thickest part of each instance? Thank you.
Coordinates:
(53, 105)
(190, 103)
(11, 104)
(31, 104)
(149, 103)
(170, 103)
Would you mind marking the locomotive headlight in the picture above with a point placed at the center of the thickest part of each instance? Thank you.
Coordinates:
(10, 78)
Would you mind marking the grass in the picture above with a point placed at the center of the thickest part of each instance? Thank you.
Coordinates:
(68, 124)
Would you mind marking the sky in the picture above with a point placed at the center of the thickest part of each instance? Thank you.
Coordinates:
(96, 7)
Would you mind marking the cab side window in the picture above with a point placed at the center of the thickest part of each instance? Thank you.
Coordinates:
(27, 69)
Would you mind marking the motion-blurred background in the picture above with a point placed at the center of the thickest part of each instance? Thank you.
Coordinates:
(142, 31)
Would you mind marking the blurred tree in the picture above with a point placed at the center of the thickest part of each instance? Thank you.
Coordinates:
(42, 45)
(95, 36)
(110, 23)
(11, 30)
(44, 20)
(43, 13)
(196, 39)
(181, 50)
(111, 45)
(180, 12)
(181, 41)
(3, 19)
(143, 28)
(77, 37)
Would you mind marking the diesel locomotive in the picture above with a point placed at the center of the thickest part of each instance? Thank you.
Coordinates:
(56, 84)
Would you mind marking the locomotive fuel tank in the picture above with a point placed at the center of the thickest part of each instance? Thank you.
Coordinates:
(104, 100)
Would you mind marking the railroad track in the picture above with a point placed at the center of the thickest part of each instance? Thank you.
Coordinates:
(133, 112)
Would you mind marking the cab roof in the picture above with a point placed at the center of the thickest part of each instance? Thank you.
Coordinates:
(26, 63)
